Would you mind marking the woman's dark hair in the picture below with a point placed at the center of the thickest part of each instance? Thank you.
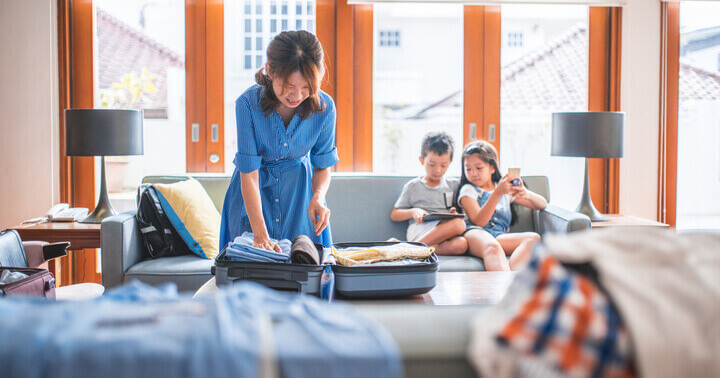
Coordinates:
(487, 153)
(290, 52)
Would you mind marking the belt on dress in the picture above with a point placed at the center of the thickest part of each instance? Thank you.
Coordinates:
(269, 169)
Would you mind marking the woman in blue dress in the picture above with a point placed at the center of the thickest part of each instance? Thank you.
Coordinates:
(286, 146)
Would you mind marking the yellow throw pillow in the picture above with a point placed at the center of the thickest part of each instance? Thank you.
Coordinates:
(196, 211)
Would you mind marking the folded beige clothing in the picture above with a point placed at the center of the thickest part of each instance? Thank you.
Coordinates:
(349, 257)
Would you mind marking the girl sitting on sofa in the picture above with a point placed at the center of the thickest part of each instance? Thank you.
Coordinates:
(485, 197)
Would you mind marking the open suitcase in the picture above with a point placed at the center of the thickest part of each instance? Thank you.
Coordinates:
(368, 281)
(301, 278)
(39, 282)
(362, 281)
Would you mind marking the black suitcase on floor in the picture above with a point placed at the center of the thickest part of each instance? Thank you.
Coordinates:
(301, 278)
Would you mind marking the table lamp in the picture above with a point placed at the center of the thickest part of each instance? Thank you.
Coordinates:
(588, 135)
(103, 132)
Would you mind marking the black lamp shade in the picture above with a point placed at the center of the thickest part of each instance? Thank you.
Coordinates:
(588, 134)
(103, 132)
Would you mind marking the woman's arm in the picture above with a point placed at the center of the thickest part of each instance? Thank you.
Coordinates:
(318, 212)
(253, 205)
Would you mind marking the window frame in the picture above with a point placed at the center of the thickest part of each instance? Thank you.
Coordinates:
(669, 108)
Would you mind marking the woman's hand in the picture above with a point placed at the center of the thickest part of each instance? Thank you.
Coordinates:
(264, 242)
(319, 214)
(418, 214)
(505, 185)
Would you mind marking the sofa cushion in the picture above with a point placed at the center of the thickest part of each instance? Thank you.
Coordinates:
(361, 206)
(188, 272)
(460, 264)
(195, 212)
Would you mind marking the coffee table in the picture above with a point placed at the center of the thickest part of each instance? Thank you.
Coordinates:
(453, 288)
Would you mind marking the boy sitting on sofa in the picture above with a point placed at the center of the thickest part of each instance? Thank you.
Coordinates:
(432, 193)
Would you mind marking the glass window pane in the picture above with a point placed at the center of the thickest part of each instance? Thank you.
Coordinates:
(417, 86)
(141, 49)
(698, 161)
(298, 24)
(248, 26)
(544, 55)
(243, 60)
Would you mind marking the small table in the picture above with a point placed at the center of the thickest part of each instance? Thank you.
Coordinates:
(453, 288)
(80, 235)
(619, 220)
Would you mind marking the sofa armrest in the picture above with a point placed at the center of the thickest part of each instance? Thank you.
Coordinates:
(37, 252)
(553, 220)
(121, 247)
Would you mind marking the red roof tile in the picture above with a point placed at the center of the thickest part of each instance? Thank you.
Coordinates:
(555, 76)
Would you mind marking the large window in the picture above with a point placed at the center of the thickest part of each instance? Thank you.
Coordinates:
(140, 64)
(544, 59)
(698, 139)
(417, 82)
(245, 45)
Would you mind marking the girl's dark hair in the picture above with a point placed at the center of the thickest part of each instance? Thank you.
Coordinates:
(287, 53)
(487, 153)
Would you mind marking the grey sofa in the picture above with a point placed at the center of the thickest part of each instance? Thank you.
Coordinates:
(360, 205)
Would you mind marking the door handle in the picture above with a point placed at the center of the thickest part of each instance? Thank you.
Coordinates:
(195, 132)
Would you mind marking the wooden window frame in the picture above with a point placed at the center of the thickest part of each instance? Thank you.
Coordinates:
(482, 83)
(481, 73)
(604, 60)
(77, 174)
(204, 84)
(669, 107)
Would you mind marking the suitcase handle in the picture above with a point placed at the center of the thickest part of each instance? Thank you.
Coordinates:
(266, 274)
(281, 285)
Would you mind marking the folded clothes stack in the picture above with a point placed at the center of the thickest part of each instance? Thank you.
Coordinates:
(400, 251)
(301, 251)
(241, 249)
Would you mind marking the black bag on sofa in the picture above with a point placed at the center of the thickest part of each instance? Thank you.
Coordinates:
(159, 236)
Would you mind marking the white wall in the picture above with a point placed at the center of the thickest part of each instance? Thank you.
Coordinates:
(29, 107)
(640, 99)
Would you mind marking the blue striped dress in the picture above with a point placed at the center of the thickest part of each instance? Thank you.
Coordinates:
(285, 159)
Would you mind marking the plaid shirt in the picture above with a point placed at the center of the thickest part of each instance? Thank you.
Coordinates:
(568, 321)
